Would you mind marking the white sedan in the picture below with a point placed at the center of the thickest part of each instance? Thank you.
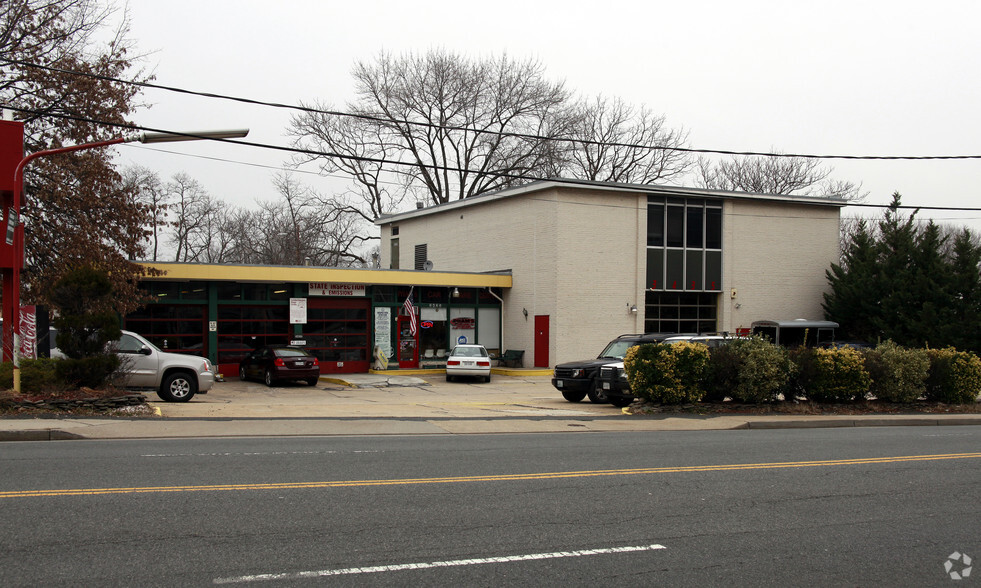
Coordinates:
(468, 360)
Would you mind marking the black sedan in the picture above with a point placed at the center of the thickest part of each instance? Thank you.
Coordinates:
(275, 363)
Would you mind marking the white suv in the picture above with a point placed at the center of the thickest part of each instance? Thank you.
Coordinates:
(176, 377)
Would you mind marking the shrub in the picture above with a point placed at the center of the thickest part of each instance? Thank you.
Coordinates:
(898, 374)
(752, 370)
(834, 375)
(90, 372)
(955, 376)
(36, 375)
(722, 374)
(667, 374)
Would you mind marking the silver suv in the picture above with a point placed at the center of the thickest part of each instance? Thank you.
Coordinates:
(176, 377)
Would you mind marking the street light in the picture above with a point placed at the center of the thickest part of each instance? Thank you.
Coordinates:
(11, 301)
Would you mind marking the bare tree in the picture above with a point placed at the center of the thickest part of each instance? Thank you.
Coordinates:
(621, 143)
(191, 206)
(148, 190)
(462, 127)
(775, 175)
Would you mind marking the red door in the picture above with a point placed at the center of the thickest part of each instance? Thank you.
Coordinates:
(541, 340)
(408, 345)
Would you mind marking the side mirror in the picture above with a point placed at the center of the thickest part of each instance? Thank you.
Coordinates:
(145, 350)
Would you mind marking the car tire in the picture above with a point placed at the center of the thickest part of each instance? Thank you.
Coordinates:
(178, 387)
(621, 401)
(449, 378)
(313, 381)
(268, 379)
(241, 374)
(573, 396)
(487, 379)
(597, 396)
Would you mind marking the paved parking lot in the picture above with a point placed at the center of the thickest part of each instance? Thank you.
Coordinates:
(371, 396)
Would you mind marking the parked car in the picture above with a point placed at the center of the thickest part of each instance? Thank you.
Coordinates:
(176, 377)
(577, 379)
(275, 363)
(468, 360)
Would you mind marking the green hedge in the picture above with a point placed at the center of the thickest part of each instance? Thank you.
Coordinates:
(898, 374)
(667, 374)
(955, 376)
(752, 369)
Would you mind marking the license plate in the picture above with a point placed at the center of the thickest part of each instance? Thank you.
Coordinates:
(298, 364)
(469, 363)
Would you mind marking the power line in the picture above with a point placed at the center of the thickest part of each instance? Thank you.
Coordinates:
(489, 132)
(381, 161)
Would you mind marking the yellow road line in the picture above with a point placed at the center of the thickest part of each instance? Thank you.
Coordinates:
(487, 478)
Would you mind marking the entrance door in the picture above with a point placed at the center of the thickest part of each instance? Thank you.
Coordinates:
(541, 340)
(408, 345)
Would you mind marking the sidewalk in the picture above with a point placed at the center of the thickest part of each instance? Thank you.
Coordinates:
(375, 404)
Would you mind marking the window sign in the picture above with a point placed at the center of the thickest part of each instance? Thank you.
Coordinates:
(383, 330)
(298, 311)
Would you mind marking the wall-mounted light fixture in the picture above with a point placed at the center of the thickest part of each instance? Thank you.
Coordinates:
(524, 311)
(456, 292)
(633, 308)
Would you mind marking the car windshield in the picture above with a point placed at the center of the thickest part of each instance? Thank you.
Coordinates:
(286, 352)
(617, 349)
(470, 352)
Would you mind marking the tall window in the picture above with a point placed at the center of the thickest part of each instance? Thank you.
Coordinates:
(684, 244)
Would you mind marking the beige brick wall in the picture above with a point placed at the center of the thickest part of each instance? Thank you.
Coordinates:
(577, 255)
(775, 255)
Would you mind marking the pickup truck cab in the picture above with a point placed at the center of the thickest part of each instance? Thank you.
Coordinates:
(578, 379)
(176, 377)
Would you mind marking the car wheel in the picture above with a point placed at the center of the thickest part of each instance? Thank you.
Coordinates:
(573, 396)
(597, 396)
(313, 381)
(487, 379)
(621, 401)
(268, 379)
(178, 387)
(449, 378)
(241, 373)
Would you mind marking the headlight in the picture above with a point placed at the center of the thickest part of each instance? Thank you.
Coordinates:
(578, 373)
(623, 376)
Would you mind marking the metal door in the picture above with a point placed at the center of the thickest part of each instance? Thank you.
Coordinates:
(541, 340)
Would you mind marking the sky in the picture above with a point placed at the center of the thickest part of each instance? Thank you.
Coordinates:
(836, 77)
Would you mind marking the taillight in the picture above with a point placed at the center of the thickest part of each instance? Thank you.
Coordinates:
(453, 362)
(315, 362)
(483, 363)
(278, 362)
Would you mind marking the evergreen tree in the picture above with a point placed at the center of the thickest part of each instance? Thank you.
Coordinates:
(854, 298)
(931, 312)
(897, 247)
(965, 292)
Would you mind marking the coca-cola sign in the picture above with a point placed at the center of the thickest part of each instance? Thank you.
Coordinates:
(28, 332)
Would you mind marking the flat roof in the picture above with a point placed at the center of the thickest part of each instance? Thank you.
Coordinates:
(540, 185)
(313, 274)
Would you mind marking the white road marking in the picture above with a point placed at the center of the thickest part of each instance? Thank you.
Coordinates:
(434, 564)
(227, 454)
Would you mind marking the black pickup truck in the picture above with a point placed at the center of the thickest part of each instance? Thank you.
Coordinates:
(578, 379)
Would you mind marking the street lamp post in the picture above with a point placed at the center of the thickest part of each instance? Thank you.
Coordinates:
(11, 302)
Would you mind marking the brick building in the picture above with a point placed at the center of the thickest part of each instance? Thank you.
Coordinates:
(590, 261)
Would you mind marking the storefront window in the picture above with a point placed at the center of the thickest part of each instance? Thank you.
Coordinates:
(432, 333)
(171, 327)
(462, 324)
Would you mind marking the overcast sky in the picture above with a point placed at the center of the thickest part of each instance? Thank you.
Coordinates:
(847, 78)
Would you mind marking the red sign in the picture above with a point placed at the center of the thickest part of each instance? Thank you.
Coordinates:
(426, 324)
(462, 322)
(28, 332)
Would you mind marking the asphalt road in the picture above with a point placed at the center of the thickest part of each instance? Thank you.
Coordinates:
(866, 506)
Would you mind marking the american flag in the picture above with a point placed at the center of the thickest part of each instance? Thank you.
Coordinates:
(411, 311)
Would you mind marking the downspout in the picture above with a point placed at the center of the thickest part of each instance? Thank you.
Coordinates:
(501, 300)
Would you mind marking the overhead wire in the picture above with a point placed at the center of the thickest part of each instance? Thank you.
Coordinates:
(439, 167)
(374, 118)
